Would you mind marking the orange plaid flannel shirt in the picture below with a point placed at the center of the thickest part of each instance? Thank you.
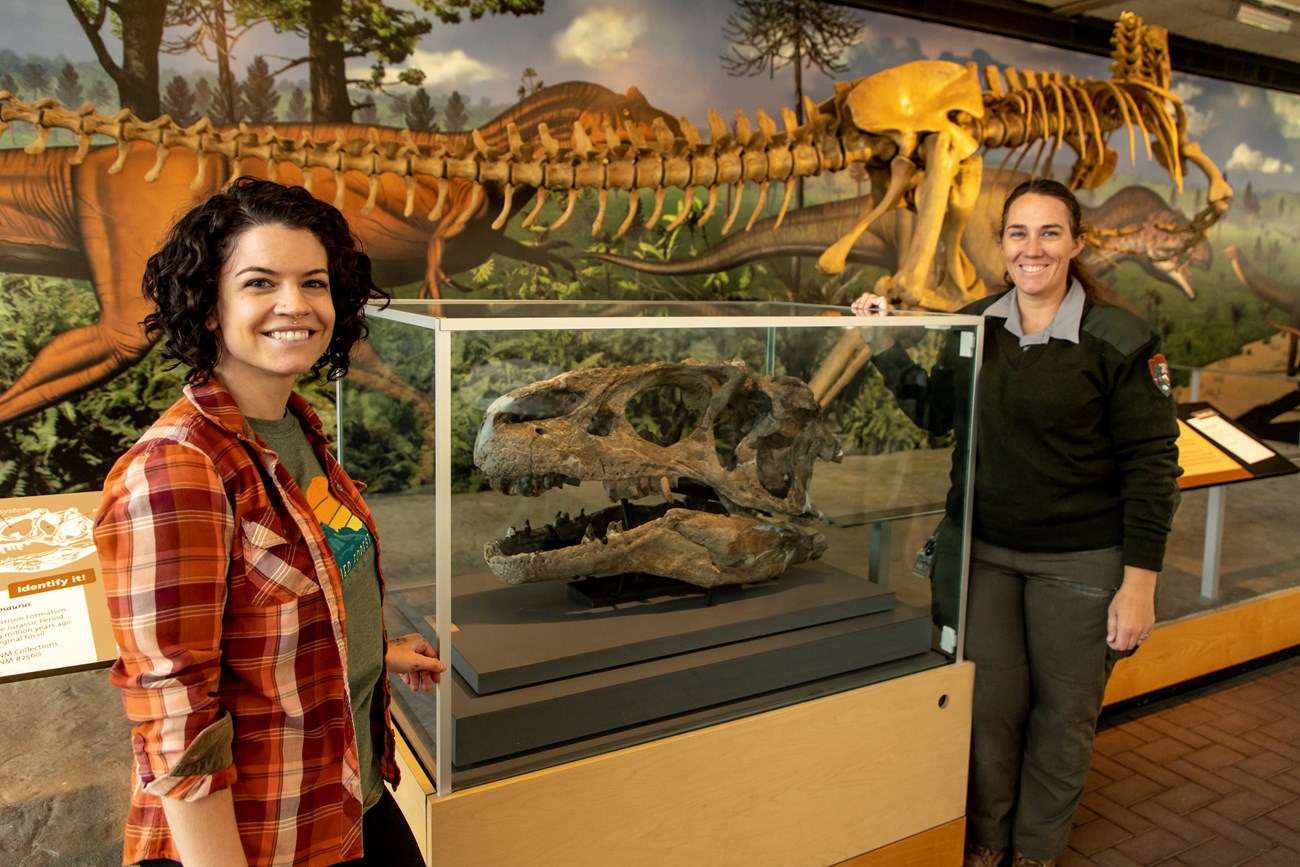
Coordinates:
(226, 604)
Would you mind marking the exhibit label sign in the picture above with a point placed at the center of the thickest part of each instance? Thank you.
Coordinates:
(53, 610)
(1213, 450)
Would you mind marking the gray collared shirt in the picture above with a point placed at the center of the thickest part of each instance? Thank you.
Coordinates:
(1064, 325)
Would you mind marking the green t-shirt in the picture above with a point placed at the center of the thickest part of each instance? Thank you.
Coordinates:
(354, 550)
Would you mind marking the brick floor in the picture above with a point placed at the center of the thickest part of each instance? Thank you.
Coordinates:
(1211, 779)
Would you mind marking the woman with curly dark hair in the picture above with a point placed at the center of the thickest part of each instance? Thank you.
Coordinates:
(241, 563)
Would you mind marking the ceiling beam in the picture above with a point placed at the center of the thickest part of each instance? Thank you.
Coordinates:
(1020, 20)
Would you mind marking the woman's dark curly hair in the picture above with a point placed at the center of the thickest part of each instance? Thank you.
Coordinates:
(181, 278)
(1096, 291)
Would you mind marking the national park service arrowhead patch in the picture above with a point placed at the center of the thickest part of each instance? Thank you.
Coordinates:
(1160, 373)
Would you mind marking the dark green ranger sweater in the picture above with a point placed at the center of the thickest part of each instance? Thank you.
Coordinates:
(1075, 444)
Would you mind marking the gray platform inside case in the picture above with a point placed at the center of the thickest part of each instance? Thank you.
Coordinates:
(508, 637)
(532, 669)
(494, 726)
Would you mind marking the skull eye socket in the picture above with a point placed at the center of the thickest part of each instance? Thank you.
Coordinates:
(542, 405)
(665, 414)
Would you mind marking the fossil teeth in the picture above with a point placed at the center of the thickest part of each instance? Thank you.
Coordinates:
(614, 528)
(511, 533)
(666, 489)
(589, 535)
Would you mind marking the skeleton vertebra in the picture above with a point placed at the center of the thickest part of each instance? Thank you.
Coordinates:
(916, 128)
(734, 470)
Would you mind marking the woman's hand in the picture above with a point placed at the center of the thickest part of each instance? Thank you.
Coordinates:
(412, 658)
(870, 304)
(1132, 612)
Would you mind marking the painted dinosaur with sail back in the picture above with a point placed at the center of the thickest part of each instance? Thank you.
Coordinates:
(98, 212)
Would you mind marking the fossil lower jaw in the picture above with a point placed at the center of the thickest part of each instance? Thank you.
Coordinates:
(701, 545)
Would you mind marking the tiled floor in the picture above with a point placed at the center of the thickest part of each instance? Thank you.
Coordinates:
(1209, 779)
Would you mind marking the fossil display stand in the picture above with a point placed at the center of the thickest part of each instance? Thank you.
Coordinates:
(809, 718)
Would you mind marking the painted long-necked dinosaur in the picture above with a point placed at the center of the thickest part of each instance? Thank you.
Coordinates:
(1273, 293)
(97, 213)
(1134, 224)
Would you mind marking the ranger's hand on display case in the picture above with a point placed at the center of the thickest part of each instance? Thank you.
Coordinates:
(870, 304)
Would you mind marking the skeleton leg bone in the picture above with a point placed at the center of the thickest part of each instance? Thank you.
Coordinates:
(960, 282)
(902, 171)
(913, 282)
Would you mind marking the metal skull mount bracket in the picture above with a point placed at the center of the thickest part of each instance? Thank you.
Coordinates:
(731, 457)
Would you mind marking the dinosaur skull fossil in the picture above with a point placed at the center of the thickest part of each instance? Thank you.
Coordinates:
(731, 456)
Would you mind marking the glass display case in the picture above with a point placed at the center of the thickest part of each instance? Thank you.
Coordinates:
(762, 507)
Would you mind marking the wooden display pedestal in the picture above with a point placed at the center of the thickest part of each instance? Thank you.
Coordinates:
(879, 770)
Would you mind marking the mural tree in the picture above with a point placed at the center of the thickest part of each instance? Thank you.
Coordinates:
(335, 30)
(529, 82)
(202, 96)
(260, 96)
(35, 77)
(179, 102)
(298, 110)
(69, 85)
(210, 34)
(141, 25)
(339, 30)
(767, 35)
(456, 113)
(419, 113)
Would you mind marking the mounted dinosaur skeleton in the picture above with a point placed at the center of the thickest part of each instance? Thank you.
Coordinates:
(917, 129)
(733, 468)
(1132, 225)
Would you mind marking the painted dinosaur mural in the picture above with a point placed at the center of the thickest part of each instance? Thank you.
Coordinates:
(431, 204)
(98, 212)
(1273, 293)
(1134, 224)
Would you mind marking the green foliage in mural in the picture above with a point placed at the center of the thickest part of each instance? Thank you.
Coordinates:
(871, 420)
(71, 446)
(68, 447)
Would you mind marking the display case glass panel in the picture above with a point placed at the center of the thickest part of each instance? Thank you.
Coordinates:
(761, 501)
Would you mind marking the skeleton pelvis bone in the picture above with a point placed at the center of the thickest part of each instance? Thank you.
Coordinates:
(728, 457)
